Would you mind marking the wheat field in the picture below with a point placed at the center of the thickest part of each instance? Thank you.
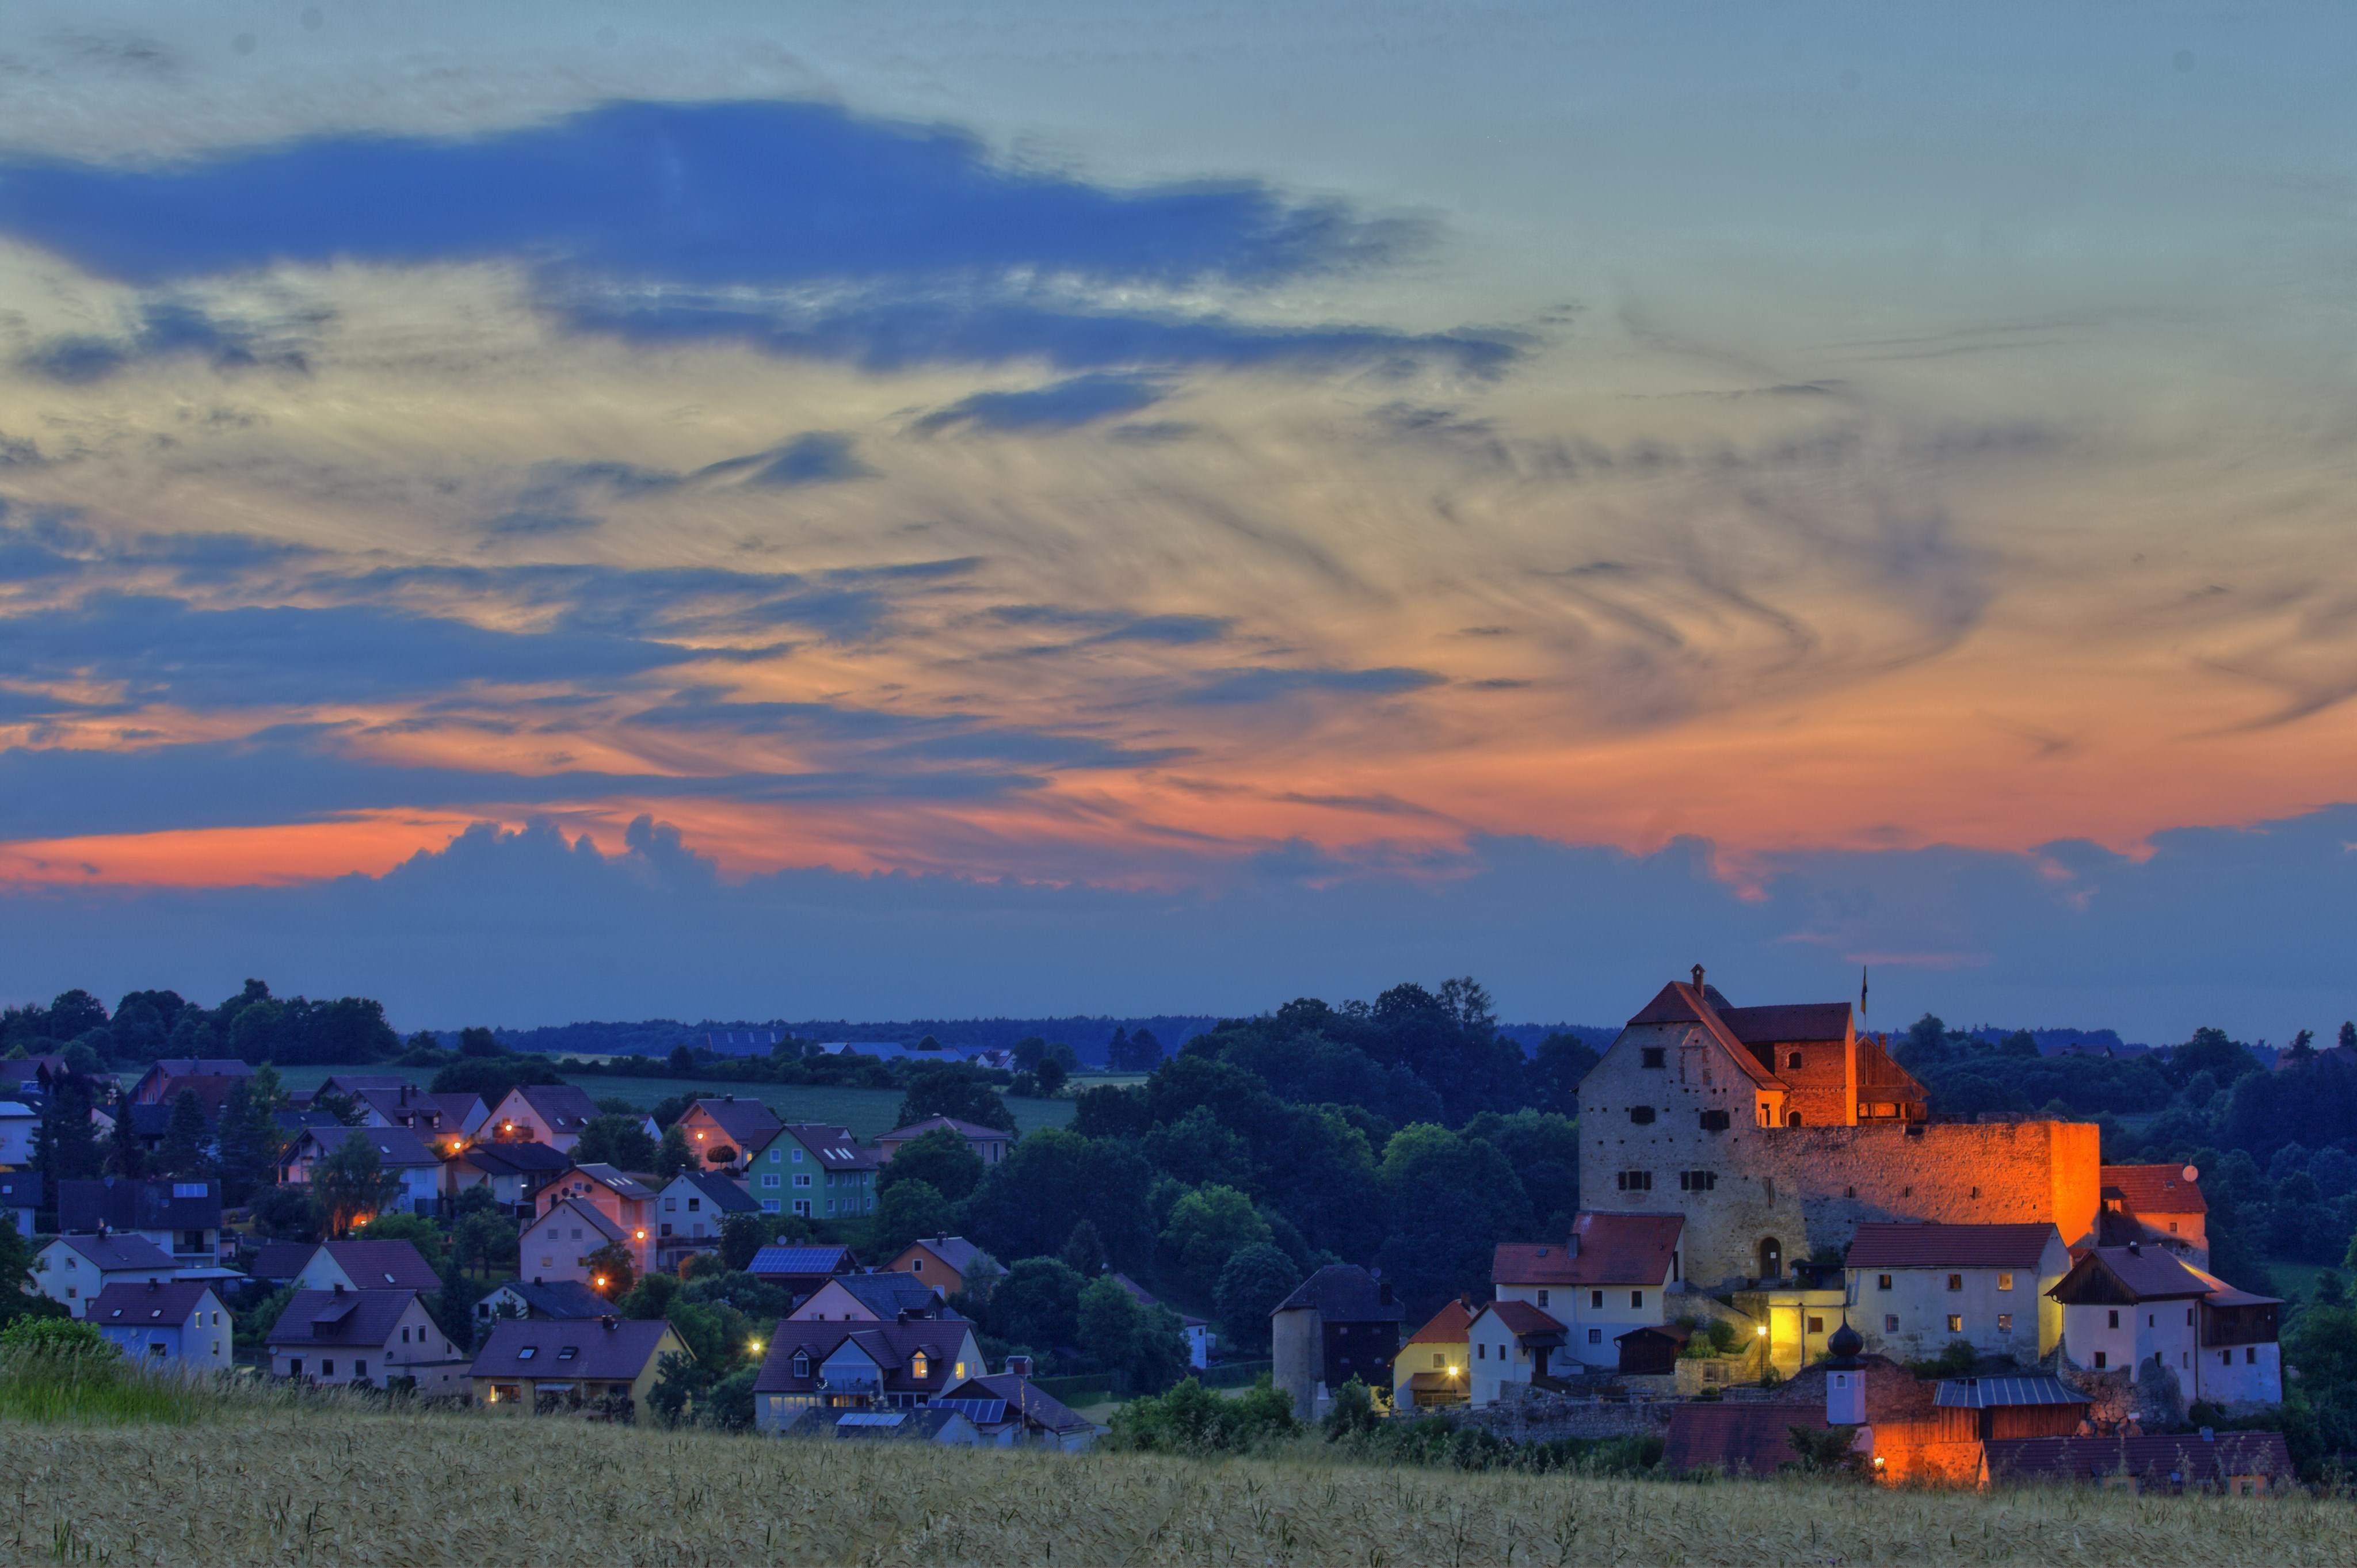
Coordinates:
(295, 1486)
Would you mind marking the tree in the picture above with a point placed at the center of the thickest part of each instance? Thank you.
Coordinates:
(1028, 1203)
(75, 1013)
(678, 1382)
(940, 1159)
(742, 1235)
(672, 1155)
(1256, 1279)
(1026, 1052)
(1084, 1250)
(454, 1307)
(124, 1157)
(1051, 1077)
(1449, 1201)
(683, 1060)
(492, 1079)
(183, 1152)
(955, 1090)
(907, 1210)
(482, 1240)
(286, 1214)
(250, 1141)
(64, 1144)
(343, 1107)
(1037, 1304)
(479, 1043)
(616, 1139)
(1207, 1227)
(612, 1271)
(1147, 1346)
(1555, 1070)
(1140, 1052)
(2303, 1045)
(350, 1185)
(16, 1259)
(414, 1229)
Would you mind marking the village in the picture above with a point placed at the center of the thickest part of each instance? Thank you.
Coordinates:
(1785, 1258)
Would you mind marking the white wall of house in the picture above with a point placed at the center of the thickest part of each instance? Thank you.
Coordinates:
(1595, 1316)
(1497, 1360)
(201, 1343)
(2240, 1374)
(63, 1275)
(1913, 1314)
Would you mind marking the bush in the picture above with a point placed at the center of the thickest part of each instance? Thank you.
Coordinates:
(1191, 1419)
(56, 1335)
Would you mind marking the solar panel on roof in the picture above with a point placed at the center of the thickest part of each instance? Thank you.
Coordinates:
(982, 1412)
(872, 1418)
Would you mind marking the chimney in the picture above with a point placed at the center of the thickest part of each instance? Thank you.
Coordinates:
(1020, 1366)
(339, 1287)
(1697, 974)
(609, 1321)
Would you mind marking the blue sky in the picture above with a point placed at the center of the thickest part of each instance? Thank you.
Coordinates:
(1170, 508)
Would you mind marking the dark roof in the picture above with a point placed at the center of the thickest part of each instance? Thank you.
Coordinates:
(935, 1123)
(383, 1265)
(1344, 1293)
(564, 1299)
(1024, 1398)
(749, 1121)
(892, 1346)
(2155, 1189)
(1897, 1245)
(1741, 1439)
(801, 1260)
(922, 1424)
(396, 1147)
(518, 1159)
(2192, 1457)
(1605, 1249)
(890, 1294)
(609, 1349)
(956, 1251)
(298, 1121)
(563, 1107)
(1676, 1333)
(415, 1108)
(728, 1195)
(118, 1251)
(835, 1147)
(200, 1066)
(1793, 1022)
(587, 1212)
(130, 1305)
(615, 1180)
(20, 1189)
(2117, 1275)
(1987, 1394)
(282, 1260)
(124, 1203)
(351, 1317)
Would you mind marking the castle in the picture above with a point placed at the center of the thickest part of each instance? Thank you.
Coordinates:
(1776, 1132)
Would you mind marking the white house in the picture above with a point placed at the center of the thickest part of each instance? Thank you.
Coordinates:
(178, 1324)
(1613, 1273)
(2126, 1308)
(367, 1265)
(1917, 1288)
(17, 1123)
(689, 1212)
(1513, 1343)
(399, 1151)
(75, 1269)
(370, 1336)
(557, 1245)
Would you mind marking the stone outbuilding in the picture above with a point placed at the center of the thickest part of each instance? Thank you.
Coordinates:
(1340, 1323)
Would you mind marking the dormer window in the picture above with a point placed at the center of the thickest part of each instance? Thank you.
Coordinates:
(802, 1364)
(919, 1365)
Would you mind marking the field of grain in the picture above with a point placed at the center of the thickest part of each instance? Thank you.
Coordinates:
(867, 1111)
(281, 1483)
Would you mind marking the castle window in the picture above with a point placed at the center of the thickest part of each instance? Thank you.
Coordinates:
(2172, 1227)
(1636, 1181)
(1816, 1326)
(1976, 1192)
(1715, 1121)
(1656, 1056)
(1882, 1282)
(1793, 1060)
(1697, 1181)
(1792, 1119)
(1642, 1115)
(1849, 1192)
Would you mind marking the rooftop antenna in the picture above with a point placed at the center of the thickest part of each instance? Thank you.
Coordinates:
(1861, 999)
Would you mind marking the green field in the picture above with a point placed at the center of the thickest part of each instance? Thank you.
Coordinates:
(867, 1111)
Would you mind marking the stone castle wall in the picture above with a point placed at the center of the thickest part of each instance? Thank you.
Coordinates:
(1810, 1186)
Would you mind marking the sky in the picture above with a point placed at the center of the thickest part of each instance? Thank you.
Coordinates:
(552, 512)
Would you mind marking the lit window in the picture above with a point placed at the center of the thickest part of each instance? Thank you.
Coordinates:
(2004, 1323)
(1955, 1282)
(1890, 1323)
(1882, 1282)
(920, 1366)
(2004, 1282)
(1955, 1324)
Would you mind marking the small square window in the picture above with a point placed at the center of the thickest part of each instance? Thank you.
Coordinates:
(1596, 1300)
(1655, 1056)
(1596, 1336)
(1816, 1326)
(2004, 1323)
(2004, 1282)
(1890, 1323)
(1882, 1282)
(1955, 1282)
(1955, 1324)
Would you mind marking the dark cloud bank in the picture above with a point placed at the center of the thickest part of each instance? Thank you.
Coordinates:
(2217, 926)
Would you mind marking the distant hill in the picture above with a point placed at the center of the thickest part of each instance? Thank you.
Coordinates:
(1088, 1037)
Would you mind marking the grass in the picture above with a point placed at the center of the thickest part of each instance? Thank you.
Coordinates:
(2297, 1280)
(101, 1389)
(867, 1111)
(345, 1485)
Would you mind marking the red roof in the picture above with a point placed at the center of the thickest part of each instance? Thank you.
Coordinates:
(2155, 1189)
(1896, 1245)
(1678, 1002)
(1741, 1439)
(1449, 1327)
(1522, 1319)
(1605, 1250)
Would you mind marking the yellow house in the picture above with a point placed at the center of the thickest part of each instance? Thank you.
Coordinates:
(530, 1364)
(1429, 1369)
(942, 1261)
